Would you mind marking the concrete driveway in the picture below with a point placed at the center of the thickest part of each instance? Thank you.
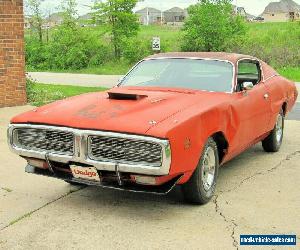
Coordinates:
(257, 193)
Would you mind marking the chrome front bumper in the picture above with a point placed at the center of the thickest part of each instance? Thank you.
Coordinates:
(81, 151)
(161, 189)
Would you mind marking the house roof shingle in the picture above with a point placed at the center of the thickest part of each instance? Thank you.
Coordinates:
(283, 6)
(174, 10)
(150, 10)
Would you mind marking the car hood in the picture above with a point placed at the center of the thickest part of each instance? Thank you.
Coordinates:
(126, 109)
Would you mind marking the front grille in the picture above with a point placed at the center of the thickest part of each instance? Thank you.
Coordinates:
(123, 150)
(51, 141)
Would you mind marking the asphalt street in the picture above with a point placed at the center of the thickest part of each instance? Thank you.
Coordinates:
(257, 193)
(295, 113)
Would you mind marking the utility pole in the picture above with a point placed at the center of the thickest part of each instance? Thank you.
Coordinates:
(161, 14)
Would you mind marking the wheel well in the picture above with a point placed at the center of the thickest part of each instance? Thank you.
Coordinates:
(222, 144)
(284, 108)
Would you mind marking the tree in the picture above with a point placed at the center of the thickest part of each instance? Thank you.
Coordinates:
(212, 26)
(37, 19)
(119, 19)
(69, 13)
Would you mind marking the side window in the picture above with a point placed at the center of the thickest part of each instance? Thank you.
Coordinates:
(248, 71)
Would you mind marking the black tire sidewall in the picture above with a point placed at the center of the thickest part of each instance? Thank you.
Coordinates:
(208, 194)
(270, 144)
(193, 190)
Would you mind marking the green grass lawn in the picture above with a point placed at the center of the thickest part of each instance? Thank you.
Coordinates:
(39, 94)
(291, 73)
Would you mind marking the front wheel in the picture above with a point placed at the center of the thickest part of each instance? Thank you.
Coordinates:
(201, 186)
(274, 140)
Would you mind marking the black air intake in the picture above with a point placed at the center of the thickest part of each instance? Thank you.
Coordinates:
(125, 96)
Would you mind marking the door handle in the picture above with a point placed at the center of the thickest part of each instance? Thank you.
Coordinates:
(266, 96)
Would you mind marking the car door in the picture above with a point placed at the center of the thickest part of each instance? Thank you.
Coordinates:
(253, 106)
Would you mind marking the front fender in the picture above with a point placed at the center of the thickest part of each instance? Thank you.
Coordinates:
(188, 134)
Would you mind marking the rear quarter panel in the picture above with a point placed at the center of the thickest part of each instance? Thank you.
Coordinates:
(281, 91)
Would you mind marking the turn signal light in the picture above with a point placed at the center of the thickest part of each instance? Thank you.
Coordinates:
(38, 163)
(145, 180)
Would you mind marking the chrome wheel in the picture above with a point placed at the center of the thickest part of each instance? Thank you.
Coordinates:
(279, 128)
(208, 168)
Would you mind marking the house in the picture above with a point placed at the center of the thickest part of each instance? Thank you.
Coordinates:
(54, 19)
(150, 16)
(175, 16)
(86, 20)
(283, 11)
(239, 11)
(250, 18)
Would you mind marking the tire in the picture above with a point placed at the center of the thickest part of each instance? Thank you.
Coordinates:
(201, 186)
(274, 140)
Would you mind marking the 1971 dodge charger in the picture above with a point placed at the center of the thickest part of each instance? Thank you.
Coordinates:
(172, 120)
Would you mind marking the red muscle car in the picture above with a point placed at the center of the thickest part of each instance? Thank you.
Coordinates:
(172, 120)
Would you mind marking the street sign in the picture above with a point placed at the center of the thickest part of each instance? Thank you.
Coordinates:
(156, 43)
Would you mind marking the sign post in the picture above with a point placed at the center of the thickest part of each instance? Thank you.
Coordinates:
(156, 44)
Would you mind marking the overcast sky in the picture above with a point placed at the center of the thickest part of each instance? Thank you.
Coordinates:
(255, 7)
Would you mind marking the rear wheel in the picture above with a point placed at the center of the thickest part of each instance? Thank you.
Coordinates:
(201, 186)
(274, 140)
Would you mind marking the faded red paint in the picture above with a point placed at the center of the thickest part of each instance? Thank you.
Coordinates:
(180, 115)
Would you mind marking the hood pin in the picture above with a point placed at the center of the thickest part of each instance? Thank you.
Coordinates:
(152, 122)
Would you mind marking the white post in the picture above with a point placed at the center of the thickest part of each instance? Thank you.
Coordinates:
(147, 16)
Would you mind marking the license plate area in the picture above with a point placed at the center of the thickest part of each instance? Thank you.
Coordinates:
(85, 173)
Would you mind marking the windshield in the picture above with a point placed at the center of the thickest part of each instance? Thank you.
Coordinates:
(197, 74)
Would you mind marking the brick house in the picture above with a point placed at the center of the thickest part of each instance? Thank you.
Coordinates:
(12, 63)
(175, 15)
(283, 11)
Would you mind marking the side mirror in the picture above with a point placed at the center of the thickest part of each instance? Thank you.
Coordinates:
(247, 86)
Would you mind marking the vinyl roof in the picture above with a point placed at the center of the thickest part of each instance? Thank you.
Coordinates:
(232, 57)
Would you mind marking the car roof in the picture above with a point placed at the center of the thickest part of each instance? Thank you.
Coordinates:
(231, 57)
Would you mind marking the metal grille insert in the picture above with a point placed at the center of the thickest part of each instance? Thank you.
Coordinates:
(52, 141)
(124, 150)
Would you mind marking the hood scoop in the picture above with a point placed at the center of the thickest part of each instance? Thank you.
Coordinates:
(125, 96)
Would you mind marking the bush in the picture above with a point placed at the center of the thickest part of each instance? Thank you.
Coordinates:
(211, 26)
(35, 53)
(68, 48)
(134, 50)
(276, 44)
(101, 54)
